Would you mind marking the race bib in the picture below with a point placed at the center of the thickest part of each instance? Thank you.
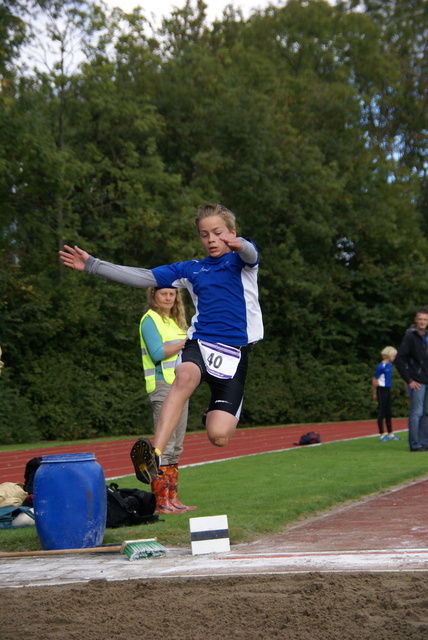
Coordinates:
(220, 360)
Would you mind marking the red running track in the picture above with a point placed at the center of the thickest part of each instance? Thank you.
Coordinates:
(114, 458)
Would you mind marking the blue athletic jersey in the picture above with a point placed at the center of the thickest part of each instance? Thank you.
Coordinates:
(383, 374)
(225, 294)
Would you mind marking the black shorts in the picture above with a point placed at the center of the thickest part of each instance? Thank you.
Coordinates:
(226, 394)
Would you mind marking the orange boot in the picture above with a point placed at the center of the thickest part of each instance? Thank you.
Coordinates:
(161, 491)
(173, 489)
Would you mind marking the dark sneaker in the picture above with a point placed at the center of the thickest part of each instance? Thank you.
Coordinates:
(145, 461)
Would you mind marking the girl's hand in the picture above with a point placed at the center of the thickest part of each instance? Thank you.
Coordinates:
(74, 257)
(231, 241)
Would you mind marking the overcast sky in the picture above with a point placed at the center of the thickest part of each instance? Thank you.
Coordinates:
(155, 10)
(162, 8)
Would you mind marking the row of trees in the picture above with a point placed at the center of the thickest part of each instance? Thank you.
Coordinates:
(308, 120)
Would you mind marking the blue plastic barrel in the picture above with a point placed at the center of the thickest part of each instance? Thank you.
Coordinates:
(70, 501)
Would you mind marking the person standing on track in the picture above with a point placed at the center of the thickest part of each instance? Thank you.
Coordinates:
(162, 336)
(412, 365)
(227, 322)
(381, 384)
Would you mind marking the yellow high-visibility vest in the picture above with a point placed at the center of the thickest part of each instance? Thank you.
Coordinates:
(170, 333)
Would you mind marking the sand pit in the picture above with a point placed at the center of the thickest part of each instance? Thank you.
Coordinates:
(314, 606)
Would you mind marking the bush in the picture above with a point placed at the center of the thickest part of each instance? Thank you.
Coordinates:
(283, 390)
(72, 401)
(17, 420)
(67, 400)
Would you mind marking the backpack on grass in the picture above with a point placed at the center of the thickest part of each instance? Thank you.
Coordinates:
(309, 438)
(29, 474)
(127, 507)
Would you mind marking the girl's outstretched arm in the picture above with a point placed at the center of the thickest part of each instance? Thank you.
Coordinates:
(74, 257)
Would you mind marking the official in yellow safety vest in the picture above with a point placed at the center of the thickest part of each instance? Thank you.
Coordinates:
(162, 336)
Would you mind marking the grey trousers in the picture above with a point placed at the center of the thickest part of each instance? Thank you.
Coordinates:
(175, 444)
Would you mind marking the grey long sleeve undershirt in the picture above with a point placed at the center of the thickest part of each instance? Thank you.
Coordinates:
(134, 276)
(248, 252)
(142, 278)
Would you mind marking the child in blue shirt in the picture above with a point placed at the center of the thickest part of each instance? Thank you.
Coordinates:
(381, 385)
(227, 322)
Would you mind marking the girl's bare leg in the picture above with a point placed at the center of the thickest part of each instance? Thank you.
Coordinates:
(220, 427)
(187, 378)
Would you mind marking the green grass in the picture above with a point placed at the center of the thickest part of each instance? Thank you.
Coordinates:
(264, 493)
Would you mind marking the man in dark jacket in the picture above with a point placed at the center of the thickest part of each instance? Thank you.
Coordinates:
(412, 364)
